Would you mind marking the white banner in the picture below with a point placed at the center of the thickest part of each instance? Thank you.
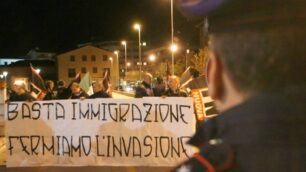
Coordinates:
(106, 132)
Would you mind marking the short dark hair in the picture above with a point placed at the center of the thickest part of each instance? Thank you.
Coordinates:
(263, 59)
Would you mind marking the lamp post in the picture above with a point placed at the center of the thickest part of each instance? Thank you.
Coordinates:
(5, 73)
(125, 55)
(138, 27)
(117, 66)
(173, 49)
(172, 35)
(187, 53)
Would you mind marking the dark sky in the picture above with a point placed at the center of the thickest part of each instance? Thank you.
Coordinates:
(59, 25)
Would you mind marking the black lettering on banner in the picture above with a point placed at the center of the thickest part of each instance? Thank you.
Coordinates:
(174, 115)
(97, 143)
(104, 111)
(75, 148)
(86, 114)
(127, 148)
(156, 146)
(45, 146)
(95, 114)
(36, 108)
(58, 145)
(182, 144)
(116, 148)
(24, 146)
(108, 145)
(161, 112)
(114, 118)
(48, 108)
(11, 144)
(83, 140)
(123, 115)
(25, 107)
(59, 115)
(12, 111)
(73, 110)
(173, 149)
(134, 113)
(182, 114)
(164, 145)
(146, 144)
(65, 147)
(147, 111)
(135, 154)
(34, 146)
(156, 112)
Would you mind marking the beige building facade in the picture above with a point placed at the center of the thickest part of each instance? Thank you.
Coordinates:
(88, 59)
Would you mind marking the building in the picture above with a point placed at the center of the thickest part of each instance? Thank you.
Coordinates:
(88, 59)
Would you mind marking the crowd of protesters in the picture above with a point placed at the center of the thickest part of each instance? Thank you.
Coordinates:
(149, 87)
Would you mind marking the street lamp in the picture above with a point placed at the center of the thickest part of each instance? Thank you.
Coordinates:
(173, 49)
(125, 54)
(172, 35)
(117, 66)
(187, 53)
(152, 57)
(5, 73)
(38, 71)
(138, 27)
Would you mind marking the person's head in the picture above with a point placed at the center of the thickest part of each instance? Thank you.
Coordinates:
(262, 54)
(19, 87)
(61, 83)
(97, 87)
(159, 82)
(173, 82)
(49, 84)
(75, 88)
(147, 78)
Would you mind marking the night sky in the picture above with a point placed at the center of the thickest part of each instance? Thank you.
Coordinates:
(59, 25)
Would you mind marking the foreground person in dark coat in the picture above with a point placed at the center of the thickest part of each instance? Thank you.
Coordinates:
(256, 76)
(98, 90)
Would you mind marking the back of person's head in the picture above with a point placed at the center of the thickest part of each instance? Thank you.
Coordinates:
(260, 43)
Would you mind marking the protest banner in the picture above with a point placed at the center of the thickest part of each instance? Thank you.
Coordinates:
(99, 132)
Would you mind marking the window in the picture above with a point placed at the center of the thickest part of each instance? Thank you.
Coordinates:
(71, 73)
(84, 58)
(72, 58)
(93, 58)
(105, 58)
(94, 70)
(83, 70)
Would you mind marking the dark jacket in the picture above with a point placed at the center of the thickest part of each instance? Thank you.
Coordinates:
(100, 94)
(14, 97)
(176, 93)
(266, 133)
(144, 90)
(50, 95)
(63, 93)
(78, 96)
